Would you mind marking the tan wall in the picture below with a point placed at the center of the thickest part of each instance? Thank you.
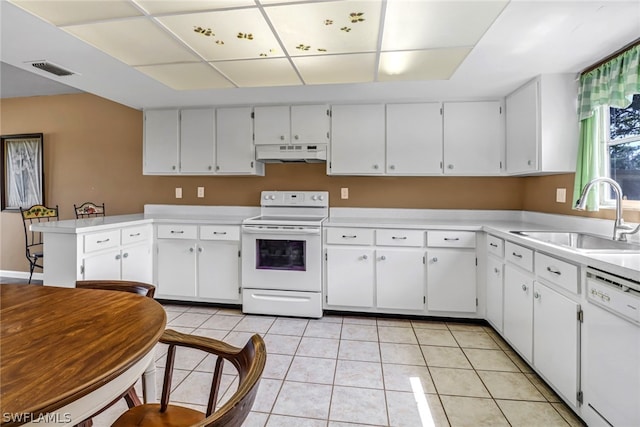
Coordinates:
(93, 151)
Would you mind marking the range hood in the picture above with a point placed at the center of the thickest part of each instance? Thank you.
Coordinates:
(291, 153)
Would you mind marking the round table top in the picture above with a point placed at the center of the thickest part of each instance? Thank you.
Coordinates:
(60, 344)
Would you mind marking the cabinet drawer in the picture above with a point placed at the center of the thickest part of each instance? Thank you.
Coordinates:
(495, 246)
(556, 271)
(518, 255)
(135, 234)
(219, 232)
(102, 240)
(177, 231)
(350, 236)
(451, 239)
(413, 238)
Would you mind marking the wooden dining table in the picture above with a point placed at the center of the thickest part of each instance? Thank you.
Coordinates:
(66, 353)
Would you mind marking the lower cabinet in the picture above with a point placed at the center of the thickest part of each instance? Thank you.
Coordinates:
(218, 270)
(176, 273)
(495, 293)
(400, 278)
(350, 277)
(518, 310)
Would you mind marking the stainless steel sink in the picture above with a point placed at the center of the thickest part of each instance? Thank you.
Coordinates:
(583, 242)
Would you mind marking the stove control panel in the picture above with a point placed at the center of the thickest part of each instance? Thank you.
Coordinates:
(295, 198)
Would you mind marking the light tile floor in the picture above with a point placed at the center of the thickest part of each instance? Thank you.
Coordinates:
(342, 371)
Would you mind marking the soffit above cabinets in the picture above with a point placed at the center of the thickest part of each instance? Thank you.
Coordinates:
(189, 45)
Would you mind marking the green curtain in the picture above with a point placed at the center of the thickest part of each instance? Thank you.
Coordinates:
(612, 84)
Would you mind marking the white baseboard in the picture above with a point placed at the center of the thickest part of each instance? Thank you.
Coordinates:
(21, 275)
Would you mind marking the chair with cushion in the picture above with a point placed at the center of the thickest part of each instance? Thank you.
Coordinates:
(249, 361)
(88, 210)
(140, 288)
(33, 239)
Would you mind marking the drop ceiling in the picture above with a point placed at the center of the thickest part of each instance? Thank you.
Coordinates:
(151, 53)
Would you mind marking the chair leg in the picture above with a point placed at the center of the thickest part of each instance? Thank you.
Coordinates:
(132, 398)
(31, 268)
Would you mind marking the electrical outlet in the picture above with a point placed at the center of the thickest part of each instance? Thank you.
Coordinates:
(200, 192)
(561, 195)
(344, 193)
(178, 192)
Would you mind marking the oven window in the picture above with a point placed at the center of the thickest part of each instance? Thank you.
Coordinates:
(281, 255)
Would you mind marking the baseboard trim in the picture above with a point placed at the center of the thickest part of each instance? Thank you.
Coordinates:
(21, 274)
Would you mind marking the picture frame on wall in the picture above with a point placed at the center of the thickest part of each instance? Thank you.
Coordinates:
(22, 171)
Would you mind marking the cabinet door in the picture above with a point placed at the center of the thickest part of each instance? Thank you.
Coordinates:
(473, 138)
(495, 276)
(350, 277)
(400, 279)
(235, 152)
(176, 268)
(414, 139)
(271, 125)
(137, 263)
(451, 280)
(197, 140)
(103, 266)
(556, 332)
(219, 270)
(357, 139)
(161, 133)
(518, 310)
(523, 118)
(310, 124)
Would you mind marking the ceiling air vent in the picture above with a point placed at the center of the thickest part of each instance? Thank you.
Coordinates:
(52, 68)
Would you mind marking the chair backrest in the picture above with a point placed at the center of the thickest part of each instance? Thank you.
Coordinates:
(33, 215)
(249, 361)
(139, 288)
(88, 210)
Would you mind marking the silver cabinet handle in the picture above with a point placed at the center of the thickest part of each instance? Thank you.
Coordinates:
(281, 137)
(200, 249)
(399, 237)
(296, 137)
(382, 258)
(524, 288)
(392, 167)
(536, 295)
(529, 162)
(493, 245)
(102, 241)
(517, 255)
(125, 255)
(375, 166)
(353, 236)
(118, 256)
(210, 167)
(177, 231)
(365, 257)
(134, 235)
(173, 167)
(446, 239)
(434, 259)
(553, 271)
(496, 270)
(220, 232)
(190, 249)
(450, 166)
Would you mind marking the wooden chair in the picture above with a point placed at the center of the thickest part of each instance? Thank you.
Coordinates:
(88, 210)
(33, 239)
(249, 361)
(143, 289)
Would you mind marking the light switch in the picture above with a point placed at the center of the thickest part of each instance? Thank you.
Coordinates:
(561, 195)
(344, 193)
(200, 192)
(178, 192)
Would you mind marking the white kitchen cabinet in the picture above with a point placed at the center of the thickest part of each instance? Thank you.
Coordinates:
(451, 280)
(414, 139)
(542, 126)
(176, 268)
(400, 279)
(296, 124)
(137, 263)
(494, 293)
(350, 276)
(219, 270)
(473, 138)
(556, 340)
(161, 134)
(357, 140)
(235, 151)
(102, 266)
(518, 310)
(197, 141)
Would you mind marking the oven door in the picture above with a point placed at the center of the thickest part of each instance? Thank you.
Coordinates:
(281, 257)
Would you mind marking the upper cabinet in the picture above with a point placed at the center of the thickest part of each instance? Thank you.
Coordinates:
(196, 142)
(298, 124)
(414, 139)
(357, 140)
(473, 138)
(542, 126)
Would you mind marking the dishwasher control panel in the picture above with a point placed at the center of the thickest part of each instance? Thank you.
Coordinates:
(618, 295)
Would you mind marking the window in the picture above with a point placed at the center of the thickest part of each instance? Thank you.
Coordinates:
(623, 150)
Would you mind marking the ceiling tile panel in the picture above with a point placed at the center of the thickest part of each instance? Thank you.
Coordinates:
(186, 76)
(156, 7)
(437, 24)
(133, 41)
(332, 27)
(66, 12)
(435, 64)
(233, 34)
(262, 72)
(326, 69)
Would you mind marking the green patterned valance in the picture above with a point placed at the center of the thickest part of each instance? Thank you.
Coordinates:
(613, 83)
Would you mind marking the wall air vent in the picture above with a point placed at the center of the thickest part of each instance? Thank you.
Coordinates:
(52, 68)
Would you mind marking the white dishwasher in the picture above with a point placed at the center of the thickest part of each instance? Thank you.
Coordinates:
(612, 351)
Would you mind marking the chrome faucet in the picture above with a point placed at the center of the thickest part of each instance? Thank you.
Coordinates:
(619, 224)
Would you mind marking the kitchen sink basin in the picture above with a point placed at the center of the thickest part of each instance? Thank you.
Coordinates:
(583, 242)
